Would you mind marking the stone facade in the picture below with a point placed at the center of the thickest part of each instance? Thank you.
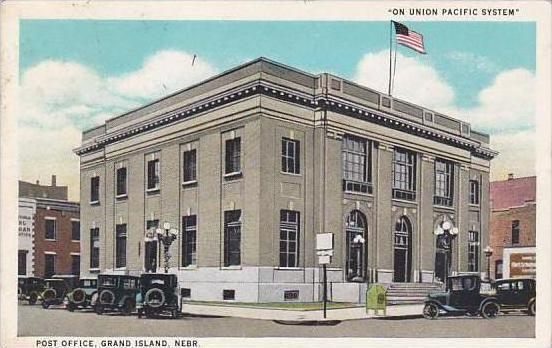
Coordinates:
(273, 111)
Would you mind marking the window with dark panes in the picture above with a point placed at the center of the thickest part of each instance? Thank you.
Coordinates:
(444, 182)
(95, 189)
(290, 156)
(50, 229)
(75, 230)
(498, 269)
(357, 158)
(189, 240)
(473, 251)
(233, 156)
(515, 231)
(404, 174)
(228, 294)
(22, 262)
(289, 238)
(474, 192)
(121, 182)
(189, 163)
(94, 247)
(75, 264)
(151, 248)
(232, 238)
(154, 174)
(49, 265)
(120, 245)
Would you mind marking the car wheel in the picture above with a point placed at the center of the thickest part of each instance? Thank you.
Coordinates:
(98, 309)
(32, 298)
(532, 308)
(490, 310)
(431, 311)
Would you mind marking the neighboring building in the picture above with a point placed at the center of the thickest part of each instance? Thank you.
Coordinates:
(513, 227)
(251, 164)
(49, 231)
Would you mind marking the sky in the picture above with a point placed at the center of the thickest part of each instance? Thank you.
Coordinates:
(74, 74)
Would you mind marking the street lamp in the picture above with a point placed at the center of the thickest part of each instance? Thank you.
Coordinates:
(166, 235)
(358, 243)
(446, 232)
(488, 253)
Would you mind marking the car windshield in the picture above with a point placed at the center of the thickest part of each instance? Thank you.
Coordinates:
(461, 283)
(129, 284)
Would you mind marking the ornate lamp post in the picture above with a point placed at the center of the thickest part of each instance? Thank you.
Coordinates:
(358, 244)
(166, 235)
(488, 253)
(446, 233)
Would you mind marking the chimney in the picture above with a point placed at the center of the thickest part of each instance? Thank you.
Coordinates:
(53, 180)
(510, 176)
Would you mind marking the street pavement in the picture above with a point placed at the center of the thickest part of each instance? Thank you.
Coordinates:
(35, 321)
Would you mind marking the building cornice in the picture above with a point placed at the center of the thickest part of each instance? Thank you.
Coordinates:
(322, 101)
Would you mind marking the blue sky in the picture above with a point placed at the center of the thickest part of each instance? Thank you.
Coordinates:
(74, 74)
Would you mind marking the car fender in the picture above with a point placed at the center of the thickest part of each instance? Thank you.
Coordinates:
(489, 299)
(437, 303)
(533, 299)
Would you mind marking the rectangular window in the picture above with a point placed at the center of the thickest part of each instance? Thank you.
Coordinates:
(95, 189)
(189, 230)
(50, 228)
(75, 230)
(474, 192)
(289, 238)
(444, 183)
(189, 163)
(120, 245)
(151, 247)
(232, 238)
(291, 156)
(22, 262)
(233, 156)
(515, 231)
(473, 251)
(404, 175)
(185, 292)
(49, 265)
(498, 269)
(95, 248)
(154, 174)
(357, 164)
(228, 294)
(121, 182)
(75, 264)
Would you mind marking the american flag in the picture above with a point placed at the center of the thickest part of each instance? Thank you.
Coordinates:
(409, 38)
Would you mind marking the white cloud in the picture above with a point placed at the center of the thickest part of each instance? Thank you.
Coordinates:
(517, 154)
(59, 99)
(414, 81)
(472, 62)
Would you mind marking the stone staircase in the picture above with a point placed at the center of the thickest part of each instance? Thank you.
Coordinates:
(410, 293)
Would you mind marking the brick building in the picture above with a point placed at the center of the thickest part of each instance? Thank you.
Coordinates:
(513, 226)
(49, 231)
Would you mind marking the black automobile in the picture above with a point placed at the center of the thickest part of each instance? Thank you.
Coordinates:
(84, 296)
(57, 289)
(158, 295)
(463, 296)
(116, 293)
(516, 294)
(30, 289)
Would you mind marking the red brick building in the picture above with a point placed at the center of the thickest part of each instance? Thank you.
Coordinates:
(513, 224)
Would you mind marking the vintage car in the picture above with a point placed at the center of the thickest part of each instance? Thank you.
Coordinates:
(158, 295)
(84, 296)
(57, 289)
(116, 293)
(516, 294)
(463, 296)
(30, 289)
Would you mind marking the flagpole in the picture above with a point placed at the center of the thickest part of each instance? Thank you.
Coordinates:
(390, 49)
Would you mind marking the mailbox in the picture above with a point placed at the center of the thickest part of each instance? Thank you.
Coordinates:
(376, 299)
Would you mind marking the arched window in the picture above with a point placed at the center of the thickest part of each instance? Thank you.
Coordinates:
(355, 226)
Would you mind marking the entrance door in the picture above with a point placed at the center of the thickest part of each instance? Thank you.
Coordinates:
(402, 258)
(354, 226)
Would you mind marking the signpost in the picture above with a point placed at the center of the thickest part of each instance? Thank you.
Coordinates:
(324, 250)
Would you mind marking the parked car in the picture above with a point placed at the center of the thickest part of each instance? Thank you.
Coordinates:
(57, 289)
(84, 296)
(462, 296)
(30, 289)
(516, 294)
(116, 293)
(158, 295)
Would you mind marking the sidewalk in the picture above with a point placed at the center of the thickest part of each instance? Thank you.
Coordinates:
(299, 315)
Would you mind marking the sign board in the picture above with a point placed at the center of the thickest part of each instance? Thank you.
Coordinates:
(325, 252)
(324, 260)
(522, 265)
(324, 241)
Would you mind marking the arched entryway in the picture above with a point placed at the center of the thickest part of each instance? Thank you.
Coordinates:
(402, 250)
(355, 234)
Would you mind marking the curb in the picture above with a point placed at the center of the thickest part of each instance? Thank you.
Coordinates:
(309, 322)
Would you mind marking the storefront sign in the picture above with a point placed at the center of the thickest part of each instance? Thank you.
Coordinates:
(522, 265)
